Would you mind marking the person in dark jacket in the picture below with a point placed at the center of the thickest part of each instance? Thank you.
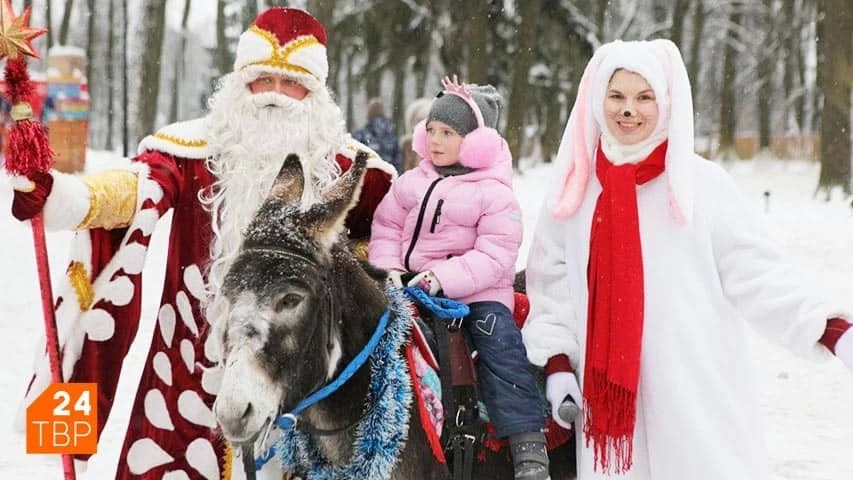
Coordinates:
(380, 134)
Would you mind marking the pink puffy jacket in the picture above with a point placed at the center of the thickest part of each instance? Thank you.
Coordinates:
(465, 228)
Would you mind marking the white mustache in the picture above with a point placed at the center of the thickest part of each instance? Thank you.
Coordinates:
(275, 99)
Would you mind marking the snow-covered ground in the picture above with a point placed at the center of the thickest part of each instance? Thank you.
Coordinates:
(807, 407)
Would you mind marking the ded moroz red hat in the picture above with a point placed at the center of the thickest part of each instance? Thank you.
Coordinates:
(288, 41)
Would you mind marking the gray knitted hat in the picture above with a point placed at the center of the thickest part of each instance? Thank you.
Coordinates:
(455, 112)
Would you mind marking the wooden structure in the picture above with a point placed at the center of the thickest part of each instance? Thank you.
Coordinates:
(66, 108)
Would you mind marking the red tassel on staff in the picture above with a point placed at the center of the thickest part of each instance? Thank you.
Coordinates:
(27, 147)
(28, 152)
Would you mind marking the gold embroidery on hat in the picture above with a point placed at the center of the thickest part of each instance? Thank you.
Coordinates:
(280, 54)
(79, 279)
(180, 141)
(112, 199)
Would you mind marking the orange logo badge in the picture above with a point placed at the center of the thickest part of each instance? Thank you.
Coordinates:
(64, 420)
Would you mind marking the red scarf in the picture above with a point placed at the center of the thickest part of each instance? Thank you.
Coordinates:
(615, 314)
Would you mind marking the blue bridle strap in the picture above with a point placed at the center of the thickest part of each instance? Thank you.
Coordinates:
(289, 420)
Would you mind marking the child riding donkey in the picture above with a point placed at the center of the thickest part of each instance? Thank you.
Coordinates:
(454, 220)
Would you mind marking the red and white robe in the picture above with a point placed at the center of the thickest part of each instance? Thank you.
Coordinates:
(171, 431)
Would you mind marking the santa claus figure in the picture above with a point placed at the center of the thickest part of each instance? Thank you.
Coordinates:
(213, 173)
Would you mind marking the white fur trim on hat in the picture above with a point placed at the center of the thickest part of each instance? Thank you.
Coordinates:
(303, 58)
(660, 63)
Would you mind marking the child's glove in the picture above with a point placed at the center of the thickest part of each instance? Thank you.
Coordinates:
(30, 194)
(558, 386)
(395, 279)
(844, 348)
(426, 281)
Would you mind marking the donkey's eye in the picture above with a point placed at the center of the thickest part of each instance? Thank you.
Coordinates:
(289, 301)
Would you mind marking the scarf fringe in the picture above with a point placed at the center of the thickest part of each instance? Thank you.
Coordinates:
(609, 420)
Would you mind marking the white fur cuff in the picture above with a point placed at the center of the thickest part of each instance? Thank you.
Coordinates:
(68, 202)
(844, 348)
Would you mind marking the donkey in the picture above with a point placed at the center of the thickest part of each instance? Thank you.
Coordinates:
(300, 308)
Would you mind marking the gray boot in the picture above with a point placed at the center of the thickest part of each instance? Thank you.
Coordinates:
(529, 456)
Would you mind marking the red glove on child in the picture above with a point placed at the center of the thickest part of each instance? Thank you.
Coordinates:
(31, 193)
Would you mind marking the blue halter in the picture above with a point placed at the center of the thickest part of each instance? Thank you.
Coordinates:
(289, 420)
(442, 307)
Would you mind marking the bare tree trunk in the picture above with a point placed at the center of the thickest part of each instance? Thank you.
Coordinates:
(765, 78)
(809, 105)
(90, 42)
(600, 12)
(728, 114)
(422, 52)
(223, 61)
(550, 139)
(174, 110)
(374, 47)
(800, 104)
(478, 58)
(350, 87)
(48, 22)
(154, 15)
(323, 11)
(94, 87)
(696, 47)
(66, 21)
(110, 80)
(788, 38)
(250, 12)
(679, 12)
(398, 108)
(835, 77)
(516, 113)
(27, 4)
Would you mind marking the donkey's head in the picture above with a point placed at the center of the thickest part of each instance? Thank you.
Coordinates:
(280, 338)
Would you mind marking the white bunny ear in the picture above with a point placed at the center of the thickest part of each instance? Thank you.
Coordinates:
(577, 145)
(680, 151)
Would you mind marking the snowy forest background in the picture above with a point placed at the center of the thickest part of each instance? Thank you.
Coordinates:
(769, 76)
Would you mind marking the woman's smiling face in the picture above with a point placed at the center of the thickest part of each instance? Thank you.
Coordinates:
(630, 109)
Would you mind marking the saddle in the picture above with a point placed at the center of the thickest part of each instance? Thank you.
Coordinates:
(461, 430)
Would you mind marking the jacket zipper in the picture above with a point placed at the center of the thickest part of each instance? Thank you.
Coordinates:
(417, 231)
(437, 217)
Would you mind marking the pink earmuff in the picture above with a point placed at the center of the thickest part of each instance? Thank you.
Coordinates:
(419, 140)
(480, 148)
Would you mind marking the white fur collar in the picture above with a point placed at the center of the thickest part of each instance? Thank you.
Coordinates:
(181, 139)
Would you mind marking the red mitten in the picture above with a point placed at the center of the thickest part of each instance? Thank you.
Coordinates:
(30, 194)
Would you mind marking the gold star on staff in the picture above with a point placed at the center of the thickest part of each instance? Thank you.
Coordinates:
(16, 35)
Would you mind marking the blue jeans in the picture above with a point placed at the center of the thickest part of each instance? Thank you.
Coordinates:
(506, 378)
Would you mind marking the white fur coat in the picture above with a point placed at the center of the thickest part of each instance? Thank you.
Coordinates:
(706, 282)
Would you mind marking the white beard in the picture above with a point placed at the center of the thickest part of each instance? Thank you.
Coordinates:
(252, 135)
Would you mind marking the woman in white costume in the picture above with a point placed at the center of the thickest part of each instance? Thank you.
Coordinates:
(646, 270)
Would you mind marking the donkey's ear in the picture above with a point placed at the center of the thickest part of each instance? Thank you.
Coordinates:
(327, 216)
(290, 181)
